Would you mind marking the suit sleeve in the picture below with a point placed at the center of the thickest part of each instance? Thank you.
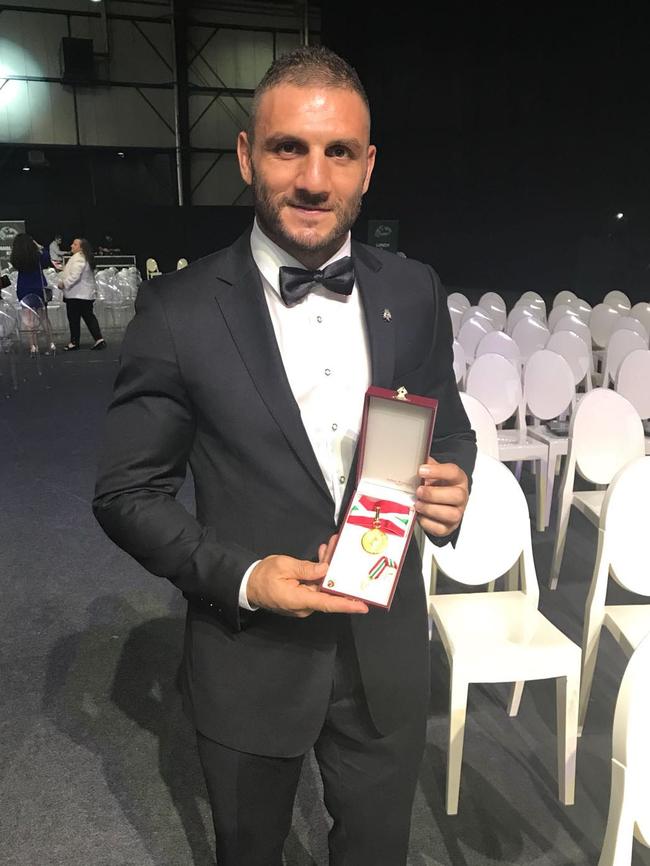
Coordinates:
(454, 441)
(143, 462)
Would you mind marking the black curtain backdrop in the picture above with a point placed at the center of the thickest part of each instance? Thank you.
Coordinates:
(509, 138)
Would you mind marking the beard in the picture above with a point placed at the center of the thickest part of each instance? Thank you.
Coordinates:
(269, 214)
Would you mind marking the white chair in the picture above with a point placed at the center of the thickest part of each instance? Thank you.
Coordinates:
(564, 297)
(605, 433)
(623, 552)
(477, 313)
(532, 296)
(631, 323)
(619, 300)
(496, 382)
(181, 263)
(456, 316)
(499, 343)
(460, 364)
(152, 268)
(576, 352)
(549, 393)
(641, 311)
(496, 307)
(632, 382)
(556, 314)
(470, 334)
(601, 324)
(620, 344)
(570, 322)
(530, 335)
(501, 636)
(458, 299)
(517, 313)
(629, 805)
(581, 309)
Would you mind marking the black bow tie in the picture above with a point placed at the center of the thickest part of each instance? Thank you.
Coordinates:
(295, 283)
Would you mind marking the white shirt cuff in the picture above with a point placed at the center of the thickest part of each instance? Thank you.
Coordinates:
(243, 598)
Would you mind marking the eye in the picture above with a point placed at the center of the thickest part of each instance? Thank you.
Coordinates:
(286, 148)
(339, 151)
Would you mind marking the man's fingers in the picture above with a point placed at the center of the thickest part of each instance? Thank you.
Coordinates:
(326, 603)
(442, 473)
(442, 495)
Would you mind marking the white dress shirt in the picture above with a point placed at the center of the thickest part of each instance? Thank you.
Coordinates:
(324, 348)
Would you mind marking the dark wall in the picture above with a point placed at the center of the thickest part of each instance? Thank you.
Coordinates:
(509, 138)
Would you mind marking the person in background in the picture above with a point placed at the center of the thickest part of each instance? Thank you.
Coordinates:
(56, 253)
(29, 258)
(79, 292)
(107, 246)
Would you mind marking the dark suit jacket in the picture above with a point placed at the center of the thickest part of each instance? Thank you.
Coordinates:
(202, 381)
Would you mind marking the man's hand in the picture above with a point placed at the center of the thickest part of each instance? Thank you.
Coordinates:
(442, 498)
(290, 586)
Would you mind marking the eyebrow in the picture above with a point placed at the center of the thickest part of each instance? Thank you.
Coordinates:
(277, 138)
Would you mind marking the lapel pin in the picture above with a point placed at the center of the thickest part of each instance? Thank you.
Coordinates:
(386, 315)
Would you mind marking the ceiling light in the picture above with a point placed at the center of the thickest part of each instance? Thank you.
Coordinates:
(26, 168)
(619, 216)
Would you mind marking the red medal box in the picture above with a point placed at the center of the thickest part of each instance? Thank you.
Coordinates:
(394, 441)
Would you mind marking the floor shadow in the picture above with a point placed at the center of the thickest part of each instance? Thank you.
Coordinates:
(112, 688)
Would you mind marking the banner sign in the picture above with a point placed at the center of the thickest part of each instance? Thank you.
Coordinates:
(8, 231)
(384, 234)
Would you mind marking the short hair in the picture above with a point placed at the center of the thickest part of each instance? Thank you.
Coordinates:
(305, 66)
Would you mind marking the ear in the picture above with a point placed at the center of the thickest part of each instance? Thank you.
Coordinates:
(370, 164)
(244, 157)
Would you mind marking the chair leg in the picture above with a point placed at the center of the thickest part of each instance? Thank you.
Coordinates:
(551, 472)
(560, 539)
(619, 835)
(512, 578)
(541, 483)
(458, 688)
(433, 583)
(567, 735)
(515, 698)
(589, 656)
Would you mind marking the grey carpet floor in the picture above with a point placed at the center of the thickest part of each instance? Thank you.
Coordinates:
(97, 762)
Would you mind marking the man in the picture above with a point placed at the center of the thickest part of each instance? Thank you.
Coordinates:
(233, 365)
(56, 253)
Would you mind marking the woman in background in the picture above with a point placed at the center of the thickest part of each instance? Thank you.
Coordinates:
(79, 292)
(29, 259)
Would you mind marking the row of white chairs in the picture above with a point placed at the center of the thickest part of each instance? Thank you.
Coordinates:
(504, 637)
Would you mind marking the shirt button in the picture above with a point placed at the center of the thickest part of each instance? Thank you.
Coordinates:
(335, 426)
(319, 319)
(342, 479)
(327, 371)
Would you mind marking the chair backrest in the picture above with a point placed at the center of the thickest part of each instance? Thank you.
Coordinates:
(633, 380)
(458, 299)
(617, 299)
(496, 382)
(532, 296)
(470, 334)
(601, 323)
(581, 309)
(492, 299)
(564, 297)
(498, 343)
(574, 350)
(519, 312)
(630, 742)
(152, 268)
(631, 323)
(641, 311)
(549, 389)
(181, 263)
(556, 314)
(482, 424)
(530, 335)
(492, 539)
(605, 433)
(477, 313)
(620, 344)
(460, 362)
(573, 323)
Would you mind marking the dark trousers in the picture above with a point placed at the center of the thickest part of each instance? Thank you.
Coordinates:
(78, 309)
(368, 781)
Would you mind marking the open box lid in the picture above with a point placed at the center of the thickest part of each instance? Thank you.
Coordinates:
(395, 438)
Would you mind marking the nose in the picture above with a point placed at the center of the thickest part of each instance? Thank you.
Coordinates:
(314, 176)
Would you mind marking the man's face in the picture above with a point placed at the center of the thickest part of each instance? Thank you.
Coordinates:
(309, 166)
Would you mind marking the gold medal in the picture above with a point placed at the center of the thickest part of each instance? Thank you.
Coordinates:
(374, 540)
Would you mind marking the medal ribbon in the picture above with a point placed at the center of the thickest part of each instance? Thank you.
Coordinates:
(379, 567)
(384, 505)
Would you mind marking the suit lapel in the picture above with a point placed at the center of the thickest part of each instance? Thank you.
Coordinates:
(240, 297)
(376, 296)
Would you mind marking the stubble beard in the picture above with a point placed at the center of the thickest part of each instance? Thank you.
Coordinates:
(269, 215)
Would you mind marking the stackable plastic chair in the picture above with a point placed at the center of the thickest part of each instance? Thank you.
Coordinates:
(601, 323)
(633, 383)
(576, 352)
(571, 322)
(460, 364)
(620, 344)
(581, 309)
(556, 314)
(479, 313)
(641, 311)
(535, 297)
(564, 297)
(549, 394)
(458, 299)
(181, 263)
(493, 637)
(470, 334)
(499, 343)
(517, 313)
(496, 307)
(496, 382)
(631, 323)
(619, 300)
(152, 268)
(629, 804)
(623, 553)
(605, 434)
(530, 335)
